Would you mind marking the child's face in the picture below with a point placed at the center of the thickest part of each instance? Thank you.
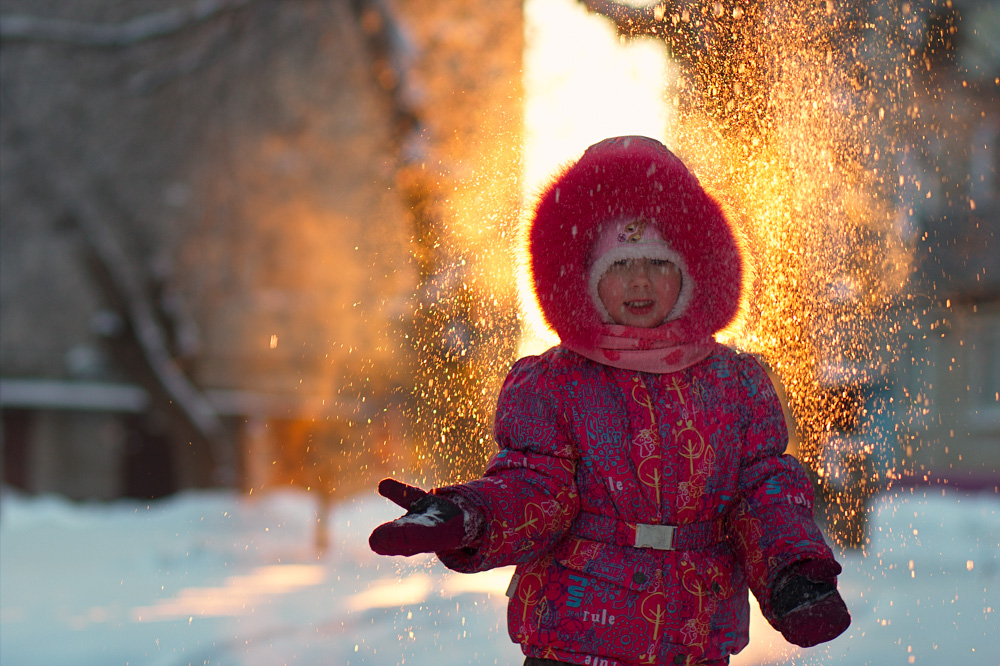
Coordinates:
(640, 292)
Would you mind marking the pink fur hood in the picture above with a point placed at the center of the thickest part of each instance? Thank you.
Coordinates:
(623, 178)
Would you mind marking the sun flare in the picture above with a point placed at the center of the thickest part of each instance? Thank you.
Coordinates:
(786, 139)
(582, 84)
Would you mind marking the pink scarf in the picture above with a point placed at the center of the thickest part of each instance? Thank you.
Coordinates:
(645, 349)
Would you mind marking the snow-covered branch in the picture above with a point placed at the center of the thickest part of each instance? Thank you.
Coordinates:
(628, 19)
(134, 31)
(394, 57)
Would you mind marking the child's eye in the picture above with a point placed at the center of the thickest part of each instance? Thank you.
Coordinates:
(658, 262)
(621, 263)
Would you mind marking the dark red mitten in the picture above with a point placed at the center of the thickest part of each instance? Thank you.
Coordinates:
(431, 524)
(807, 608)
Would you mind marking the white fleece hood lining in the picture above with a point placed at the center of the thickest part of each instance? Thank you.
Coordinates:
(657, 250)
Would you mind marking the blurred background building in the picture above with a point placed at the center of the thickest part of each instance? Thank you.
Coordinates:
(257, 243)
(951, 332)
(218, 222)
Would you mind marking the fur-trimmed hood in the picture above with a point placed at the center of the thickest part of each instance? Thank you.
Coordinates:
(624, 178)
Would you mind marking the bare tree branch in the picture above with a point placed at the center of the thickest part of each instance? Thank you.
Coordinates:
(188, 62)
(121, 278)
(134, 31)
(142, 316)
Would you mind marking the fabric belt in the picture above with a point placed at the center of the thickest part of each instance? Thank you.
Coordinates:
(689, 536)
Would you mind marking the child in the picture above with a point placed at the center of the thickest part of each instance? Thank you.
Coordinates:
(640, 486)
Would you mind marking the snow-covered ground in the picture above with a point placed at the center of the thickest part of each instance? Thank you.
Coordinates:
(218, 578)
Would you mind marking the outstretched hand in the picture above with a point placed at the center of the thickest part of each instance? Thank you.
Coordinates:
(808, 609)
(431, 523)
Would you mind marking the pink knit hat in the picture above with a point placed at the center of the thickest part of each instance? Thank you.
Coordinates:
(634, 239)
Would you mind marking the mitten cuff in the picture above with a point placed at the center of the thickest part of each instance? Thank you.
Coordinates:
(474, 521)
(816, 570)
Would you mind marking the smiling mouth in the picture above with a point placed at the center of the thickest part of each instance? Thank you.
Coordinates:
(638, 305)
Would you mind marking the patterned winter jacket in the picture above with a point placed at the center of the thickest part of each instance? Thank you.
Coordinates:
(594, 463)
(639, 507)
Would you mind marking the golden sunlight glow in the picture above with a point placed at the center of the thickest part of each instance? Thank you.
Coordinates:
(582, 84)
(792, 144)
(408, 591)
(493, 582)
(417, 588)
(238, 595)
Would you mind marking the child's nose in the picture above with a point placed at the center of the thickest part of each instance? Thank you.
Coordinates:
(640, 273)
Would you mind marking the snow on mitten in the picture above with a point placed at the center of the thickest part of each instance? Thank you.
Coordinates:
(807, 608)
(432, 523)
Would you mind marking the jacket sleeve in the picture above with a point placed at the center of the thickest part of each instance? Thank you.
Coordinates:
(528, 495)
(772, 522)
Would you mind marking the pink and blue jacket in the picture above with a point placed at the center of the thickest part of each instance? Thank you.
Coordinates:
(639, 507)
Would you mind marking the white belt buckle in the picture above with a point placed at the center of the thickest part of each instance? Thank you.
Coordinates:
(657, 537)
